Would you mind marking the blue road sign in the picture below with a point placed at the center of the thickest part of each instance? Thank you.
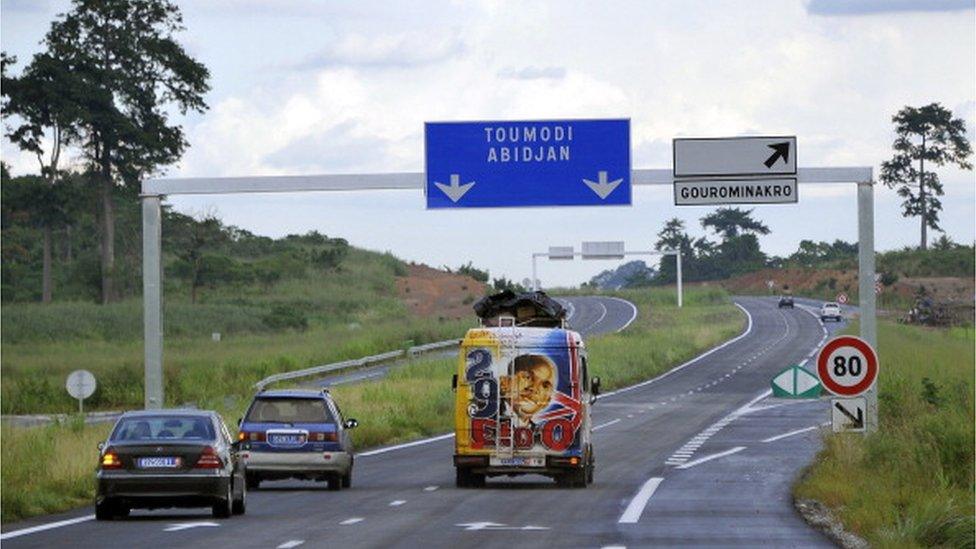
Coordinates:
(492, 164)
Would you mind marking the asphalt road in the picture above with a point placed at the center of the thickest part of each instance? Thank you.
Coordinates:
(699, 456)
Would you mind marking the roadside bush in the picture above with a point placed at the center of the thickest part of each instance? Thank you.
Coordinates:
(286, 316)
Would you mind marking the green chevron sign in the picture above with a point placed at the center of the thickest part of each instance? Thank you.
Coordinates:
(796, 382)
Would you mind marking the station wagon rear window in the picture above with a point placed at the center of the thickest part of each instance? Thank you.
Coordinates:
(289, 410)
(162, 428)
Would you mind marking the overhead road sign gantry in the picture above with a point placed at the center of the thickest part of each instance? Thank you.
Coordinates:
(492, 164)
(153, 191)
(735, 170)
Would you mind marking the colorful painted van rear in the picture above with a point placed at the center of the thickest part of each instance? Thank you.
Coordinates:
(522, 405)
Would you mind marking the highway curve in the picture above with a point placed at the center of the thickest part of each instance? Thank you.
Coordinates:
(667, 473)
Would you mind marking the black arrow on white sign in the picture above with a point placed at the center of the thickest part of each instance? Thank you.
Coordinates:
(856, 422)
(781, 150)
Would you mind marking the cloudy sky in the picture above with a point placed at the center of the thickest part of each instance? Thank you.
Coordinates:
(304, 87)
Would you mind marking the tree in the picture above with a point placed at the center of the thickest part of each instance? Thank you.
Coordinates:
(195, 238)
(42, 100)
(129, 73)
(731, 222)
(674, 237)
(925, 133)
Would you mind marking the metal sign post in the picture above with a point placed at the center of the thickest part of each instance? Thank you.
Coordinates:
(154, 189)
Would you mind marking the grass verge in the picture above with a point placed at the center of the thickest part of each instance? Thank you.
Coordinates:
(910, 484)
(411, 402)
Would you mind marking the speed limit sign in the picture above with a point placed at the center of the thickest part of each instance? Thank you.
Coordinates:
(847, 366)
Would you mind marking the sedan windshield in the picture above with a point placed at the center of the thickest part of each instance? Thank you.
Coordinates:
(289, 410)
(162, 428)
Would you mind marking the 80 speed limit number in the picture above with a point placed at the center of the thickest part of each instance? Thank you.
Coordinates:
(847, 366)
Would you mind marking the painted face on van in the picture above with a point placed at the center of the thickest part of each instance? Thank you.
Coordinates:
(534, 383)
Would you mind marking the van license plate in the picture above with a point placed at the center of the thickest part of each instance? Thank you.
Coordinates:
(518, 461)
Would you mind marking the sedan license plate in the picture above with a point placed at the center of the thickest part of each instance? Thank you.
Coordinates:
(517, 461)
(286, 439)
(158, 462)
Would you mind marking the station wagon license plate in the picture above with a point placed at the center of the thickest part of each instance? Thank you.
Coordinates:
(158, 462)
(517, 461)
(286, 439)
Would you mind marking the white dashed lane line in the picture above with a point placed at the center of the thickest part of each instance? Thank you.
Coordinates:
(430, 488)
(397, 502)
(791, 433)
(353, 520)
(607, 424)
(711, 457)
(290, 544)
(635, 509)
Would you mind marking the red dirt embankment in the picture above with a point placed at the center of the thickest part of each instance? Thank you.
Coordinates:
(431, 292)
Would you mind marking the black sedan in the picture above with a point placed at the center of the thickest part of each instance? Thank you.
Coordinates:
(169, 458)
(786, 301)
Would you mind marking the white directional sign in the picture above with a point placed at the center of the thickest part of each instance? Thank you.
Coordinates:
(734, 156)
(704, 192)
(735, 170)
(603, 250)
(848, 414)
(561, 252)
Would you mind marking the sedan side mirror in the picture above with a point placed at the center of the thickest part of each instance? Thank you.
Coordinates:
(101, 446)
(454, 379)
(239, 421)
(595, 386)
(350, 424)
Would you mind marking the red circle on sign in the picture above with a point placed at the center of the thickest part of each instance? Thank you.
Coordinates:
(842, 298)
(824, 371)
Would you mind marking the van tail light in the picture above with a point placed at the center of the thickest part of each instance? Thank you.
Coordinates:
(323, 437)
(209, 459)
(110, 459)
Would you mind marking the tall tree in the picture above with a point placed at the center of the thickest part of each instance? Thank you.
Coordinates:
(731, 222)
(928, 133)
(674, 237)
(130, 73)
(42, 100)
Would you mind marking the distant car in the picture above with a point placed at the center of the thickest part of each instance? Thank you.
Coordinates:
(296, 433)
(786, 301)
(830, 311)
(169, 458)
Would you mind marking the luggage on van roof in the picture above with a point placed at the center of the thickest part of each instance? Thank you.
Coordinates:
(529, 309)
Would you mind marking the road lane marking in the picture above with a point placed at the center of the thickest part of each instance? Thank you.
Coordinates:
(290, 544)
(632, 317)
(635, 509)
(187, 525)
(353, 520)
(747, 331)
(43, 527)
(405, 445)
(607, 424)
(430, 488)
(397, 502)
(791, 433)
(699, 461)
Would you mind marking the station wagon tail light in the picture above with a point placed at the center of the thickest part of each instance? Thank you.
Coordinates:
(110, 460)
(253, 436)
(209, 459)
(323, 437)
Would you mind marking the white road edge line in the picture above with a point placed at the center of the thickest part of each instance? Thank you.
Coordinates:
(635, 509)
(405, 445)
(632, 317)
(290, 544)
(607, 424)
(711, 457)
(747, 331)
(43, 527)
(791, 433)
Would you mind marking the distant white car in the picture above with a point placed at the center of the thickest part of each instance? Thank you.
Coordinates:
(830, 311)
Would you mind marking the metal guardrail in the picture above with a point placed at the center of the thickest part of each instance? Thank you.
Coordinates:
(356, 363)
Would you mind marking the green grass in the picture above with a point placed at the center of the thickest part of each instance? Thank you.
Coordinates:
(411, 402)
(48, 469)
(910, 484)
